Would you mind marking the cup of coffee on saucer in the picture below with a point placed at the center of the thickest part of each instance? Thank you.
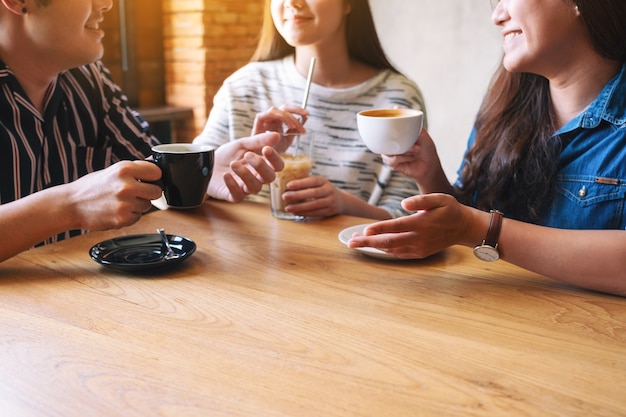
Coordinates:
(389, 131)
(186, 171)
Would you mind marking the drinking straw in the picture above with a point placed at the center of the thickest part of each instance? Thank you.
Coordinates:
(385, 173)
(308, 83)
(306, 97)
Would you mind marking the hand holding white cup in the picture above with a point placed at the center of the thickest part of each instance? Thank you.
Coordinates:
(389, 131)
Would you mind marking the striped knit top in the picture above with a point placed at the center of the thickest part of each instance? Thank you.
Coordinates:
(339, 153)
(86, 126)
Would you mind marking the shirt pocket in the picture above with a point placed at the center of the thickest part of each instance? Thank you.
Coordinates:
(585, 202)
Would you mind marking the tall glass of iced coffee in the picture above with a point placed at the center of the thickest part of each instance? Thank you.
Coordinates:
(298, 164)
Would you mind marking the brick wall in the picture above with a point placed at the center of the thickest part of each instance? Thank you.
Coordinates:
(204, 42)
(181, 52)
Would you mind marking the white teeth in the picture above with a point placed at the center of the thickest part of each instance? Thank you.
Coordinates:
(511, 35)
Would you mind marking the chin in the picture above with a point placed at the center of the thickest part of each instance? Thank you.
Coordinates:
(513, 65)
(94, 56)
(99, 53)
(520, 62)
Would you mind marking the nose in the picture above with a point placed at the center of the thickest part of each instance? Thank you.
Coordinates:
(293, 4)
(499, 14)
(103, 5)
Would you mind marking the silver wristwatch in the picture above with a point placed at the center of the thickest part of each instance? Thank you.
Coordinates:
(488, 249)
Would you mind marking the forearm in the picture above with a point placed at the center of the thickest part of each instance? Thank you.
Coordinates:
(354, 206)
(32, 219)
(593, 259)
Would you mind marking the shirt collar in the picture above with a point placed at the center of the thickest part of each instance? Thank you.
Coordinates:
(52, 94)
(610, 106)
(5, 71)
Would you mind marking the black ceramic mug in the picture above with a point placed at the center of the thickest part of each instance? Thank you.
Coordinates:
(186, 171)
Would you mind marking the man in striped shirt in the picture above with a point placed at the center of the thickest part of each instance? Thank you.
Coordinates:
(71, 150)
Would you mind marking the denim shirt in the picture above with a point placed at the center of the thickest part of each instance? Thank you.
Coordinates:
(591, 182)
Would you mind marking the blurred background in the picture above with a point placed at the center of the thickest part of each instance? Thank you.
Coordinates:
(170, 57)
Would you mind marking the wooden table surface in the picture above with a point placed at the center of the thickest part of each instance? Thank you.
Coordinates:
(278, 318)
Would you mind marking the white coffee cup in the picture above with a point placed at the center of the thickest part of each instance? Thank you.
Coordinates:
(389, 131)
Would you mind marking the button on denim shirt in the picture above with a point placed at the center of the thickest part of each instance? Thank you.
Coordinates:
(591, 182)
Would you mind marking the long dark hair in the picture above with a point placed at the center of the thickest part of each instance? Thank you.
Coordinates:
(513, 164)
(362, 39)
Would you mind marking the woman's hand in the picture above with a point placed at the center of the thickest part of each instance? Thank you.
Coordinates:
(417, 161)
(287, 118)
(316, 197)
(439, 221)
(421, 162)
(313, 197)
(244, 165)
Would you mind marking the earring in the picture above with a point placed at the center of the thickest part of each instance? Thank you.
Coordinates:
(24, 10)
(577, 10)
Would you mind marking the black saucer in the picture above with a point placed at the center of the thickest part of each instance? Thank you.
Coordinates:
(138, 253)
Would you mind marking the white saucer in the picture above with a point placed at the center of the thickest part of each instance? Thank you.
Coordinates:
(347, 233)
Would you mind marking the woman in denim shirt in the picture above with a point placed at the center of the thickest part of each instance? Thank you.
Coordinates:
(548, 150)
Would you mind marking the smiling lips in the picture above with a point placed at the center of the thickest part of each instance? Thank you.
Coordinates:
(94, 24)
(510, 35)
(296, 18)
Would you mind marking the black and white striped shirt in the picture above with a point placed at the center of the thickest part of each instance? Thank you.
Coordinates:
(86, 126)
(339, 154)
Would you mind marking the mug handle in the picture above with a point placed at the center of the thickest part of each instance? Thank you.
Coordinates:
(158, 182)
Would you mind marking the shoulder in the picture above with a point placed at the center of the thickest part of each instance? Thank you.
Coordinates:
(399, 89)
(389, 80)
(393, 79)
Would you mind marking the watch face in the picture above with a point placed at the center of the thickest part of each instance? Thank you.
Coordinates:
(486, 253)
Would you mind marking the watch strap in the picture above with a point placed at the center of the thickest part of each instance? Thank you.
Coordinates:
(493, 231)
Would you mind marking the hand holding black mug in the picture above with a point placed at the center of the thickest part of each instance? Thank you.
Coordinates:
(186, 171)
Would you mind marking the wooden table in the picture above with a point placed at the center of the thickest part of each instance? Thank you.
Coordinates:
(277, 318)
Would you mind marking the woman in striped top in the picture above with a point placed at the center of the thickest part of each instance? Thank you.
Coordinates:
(351, 74)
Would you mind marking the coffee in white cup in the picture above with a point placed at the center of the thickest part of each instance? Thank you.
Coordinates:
(389, 131)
